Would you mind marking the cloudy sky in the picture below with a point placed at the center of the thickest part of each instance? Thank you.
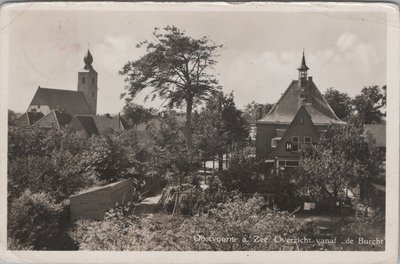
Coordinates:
(262, 49)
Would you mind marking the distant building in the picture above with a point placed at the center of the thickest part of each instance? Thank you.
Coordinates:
(376, 136)
(299, 117)
(55, 108)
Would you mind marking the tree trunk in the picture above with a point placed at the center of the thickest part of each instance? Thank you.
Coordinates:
(220, 162)
(188, 126)
(205, 174)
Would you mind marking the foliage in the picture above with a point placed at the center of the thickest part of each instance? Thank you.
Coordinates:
(59, 176)
(23, 142)
(186, 199)
(370, 105)
(253, 110)
(342, 160)
(126, 232)
(172, 158)
(239, 218)
(34, 221)
(135, 113)
(340, 103)
(242, 174)
(219, 126)
(45, 161)
(286, 195)
(110, 158)
(177, 68)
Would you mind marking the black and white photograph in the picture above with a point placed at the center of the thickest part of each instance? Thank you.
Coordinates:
(188, 127)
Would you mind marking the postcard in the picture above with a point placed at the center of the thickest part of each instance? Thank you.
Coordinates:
(213, 132)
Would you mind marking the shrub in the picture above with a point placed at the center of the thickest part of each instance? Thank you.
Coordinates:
(111, 159)
(34, 221)
(59, 175)
(242, 174)
(238, 218)
(244, 220)
(119, 231)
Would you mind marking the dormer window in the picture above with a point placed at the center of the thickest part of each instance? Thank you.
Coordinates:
(275, 142)
(83, 80)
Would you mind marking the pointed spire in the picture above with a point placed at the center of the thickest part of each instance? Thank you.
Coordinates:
(88, 59)
(303, 66)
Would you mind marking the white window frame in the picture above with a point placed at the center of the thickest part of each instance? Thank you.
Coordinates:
(310, 142)
(297, 143)
(275, 141)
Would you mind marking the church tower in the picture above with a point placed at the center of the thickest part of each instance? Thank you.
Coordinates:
(303, 72)
(87, 83)
(304, 94)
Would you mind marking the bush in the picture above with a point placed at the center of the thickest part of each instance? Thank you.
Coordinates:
(238, 218)
(244, 220)
(242, 174)
(119, 231)
(23, 142)
(59, 176)
(109, 158)
(34, 221)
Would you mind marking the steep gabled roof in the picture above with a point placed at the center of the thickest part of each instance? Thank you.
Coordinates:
(85, 123)
(289, 103)
(54, 119)
(73, 102)
(98, 124)
(28, 119)
(106, 123)
(301, 125)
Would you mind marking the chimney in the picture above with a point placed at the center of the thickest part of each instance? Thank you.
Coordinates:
(108, 115)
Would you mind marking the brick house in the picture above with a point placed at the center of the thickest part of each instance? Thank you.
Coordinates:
(299, 117)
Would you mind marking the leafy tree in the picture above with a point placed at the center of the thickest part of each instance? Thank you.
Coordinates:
(219, 126)
(135, 113)
(58, 176)
(370, 104)
(340, 103)
(343, 159)
(177, 68)
(167, 148)
(242, 174)
(252, 111)
(45, 161)
(110, 158)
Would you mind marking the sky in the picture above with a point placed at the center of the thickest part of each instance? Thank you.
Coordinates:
(262, 50)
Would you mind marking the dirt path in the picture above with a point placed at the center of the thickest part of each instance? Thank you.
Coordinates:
(148, 205)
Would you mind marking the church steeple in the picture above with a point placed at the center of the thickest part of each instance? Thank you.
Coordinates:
(87, 82)
(88, 59)
(303, 72)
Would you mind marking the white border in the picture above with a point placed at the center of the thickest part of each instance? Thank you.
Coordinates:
(392, 182)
